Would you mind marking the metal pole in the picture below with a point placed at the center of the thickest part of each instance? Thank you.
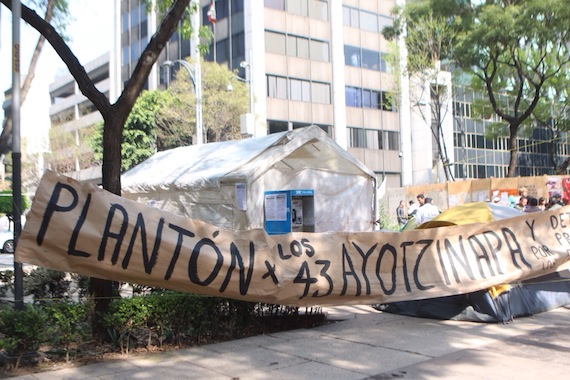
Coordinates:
(197, 74)
(16, 153)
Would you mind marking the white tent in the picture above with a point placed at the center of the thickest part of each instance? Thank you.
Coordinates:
(224, 183)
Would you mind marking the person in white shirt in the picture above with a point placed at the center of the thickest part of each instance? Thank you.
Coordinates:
(412, 209)
(426, 212)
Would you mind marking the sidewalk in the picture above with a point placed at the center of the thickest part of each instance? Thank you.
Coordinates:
(366, 344)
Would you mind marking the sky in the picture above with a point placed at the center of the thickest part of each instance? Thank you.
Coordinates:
(90, 31)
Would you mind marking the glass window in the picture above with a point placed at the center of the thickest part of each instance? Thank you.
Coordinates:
(275, 43)
(238, 46)
(354, 18)
(357, 138)
(346, 15)
(393, 140)
(143, 12)
(277, 126)
(275, 4)
(276, 87)
(319, 51)
(372, 140)
(135, 51)
(384, 67)
(125, 22)
(375, 100)
(384, 21)
(321, 93)
(135, 16)
(222, 51)
(353, 97)
(369, 21)
(351, 56)
(318, 9)
(370, 59)
(125, 55)
(296, 89)
(237, 6)
(387, 102)
(366, 98)
(302, 47)
(299, 7)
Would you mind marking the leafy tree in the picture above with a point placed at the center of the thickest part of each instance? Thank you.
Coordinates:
(114, 115)
(220, 108)
(552, 114)
(429, 41)
(139, 134)
(513, 49)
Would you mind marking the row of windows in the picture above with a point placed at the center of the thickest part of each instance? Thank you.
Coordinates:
(373, 139)
(224, 49)
(475, 141)
(463, 109)
(361, 19)
(534, 145)
(298, 89)
(136, 15)
(480, 171)
(295, 46)
(317, 9)
(365, 58)
(364, 98)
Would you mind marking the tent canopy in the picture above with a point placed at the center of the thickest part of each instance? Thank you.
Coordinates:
(208, 164)
(201, 181)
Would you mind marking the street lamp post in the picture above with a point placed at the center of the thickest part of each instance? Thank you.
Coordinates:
(247, 121)
(196, 78)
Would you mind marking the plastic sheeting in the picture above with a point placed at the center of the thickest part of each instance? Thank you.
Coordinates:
(200, 181)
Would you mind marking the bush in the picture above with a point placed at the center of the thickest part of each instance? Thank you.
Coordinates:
(22, 331)
(69, 322)
(6, 204)
(45, 284)
(124, 316)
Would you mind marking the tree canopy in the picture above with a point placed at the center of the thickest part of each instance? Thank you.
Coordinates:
(512, 50)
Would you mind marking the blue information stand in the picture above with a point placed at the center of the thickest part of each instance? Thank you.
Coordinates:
(289, 210)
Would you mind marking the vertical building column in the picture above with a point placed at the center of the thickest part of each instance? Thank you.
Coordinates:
(254, 22)
(338, 80)
(405, 119)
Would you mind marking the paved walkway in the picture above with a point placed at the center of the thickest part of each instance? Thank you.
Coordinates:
(367, 344)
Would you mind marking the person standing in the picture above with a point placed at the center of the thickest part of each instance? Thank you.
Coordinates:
(427, 211)
(401, 214)
(412, 209)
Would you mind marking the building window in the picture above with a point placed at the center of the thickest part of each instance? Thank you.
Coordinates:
(275, 4)
(321, 92)
(319, 9)
(364, 98)
(369, 21)
(351, 56)
(368, 59)
(276, 87)
(298, 90)
(373, 139)
(275, 43)
(295, 46)
(365, 20)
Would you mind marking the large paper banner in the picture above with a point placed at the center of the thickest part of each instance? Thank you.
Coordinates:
(80, 228)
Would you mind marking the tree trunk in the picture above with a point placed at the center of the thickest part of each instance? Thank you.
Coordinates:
(514, 151)
(113, 115)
